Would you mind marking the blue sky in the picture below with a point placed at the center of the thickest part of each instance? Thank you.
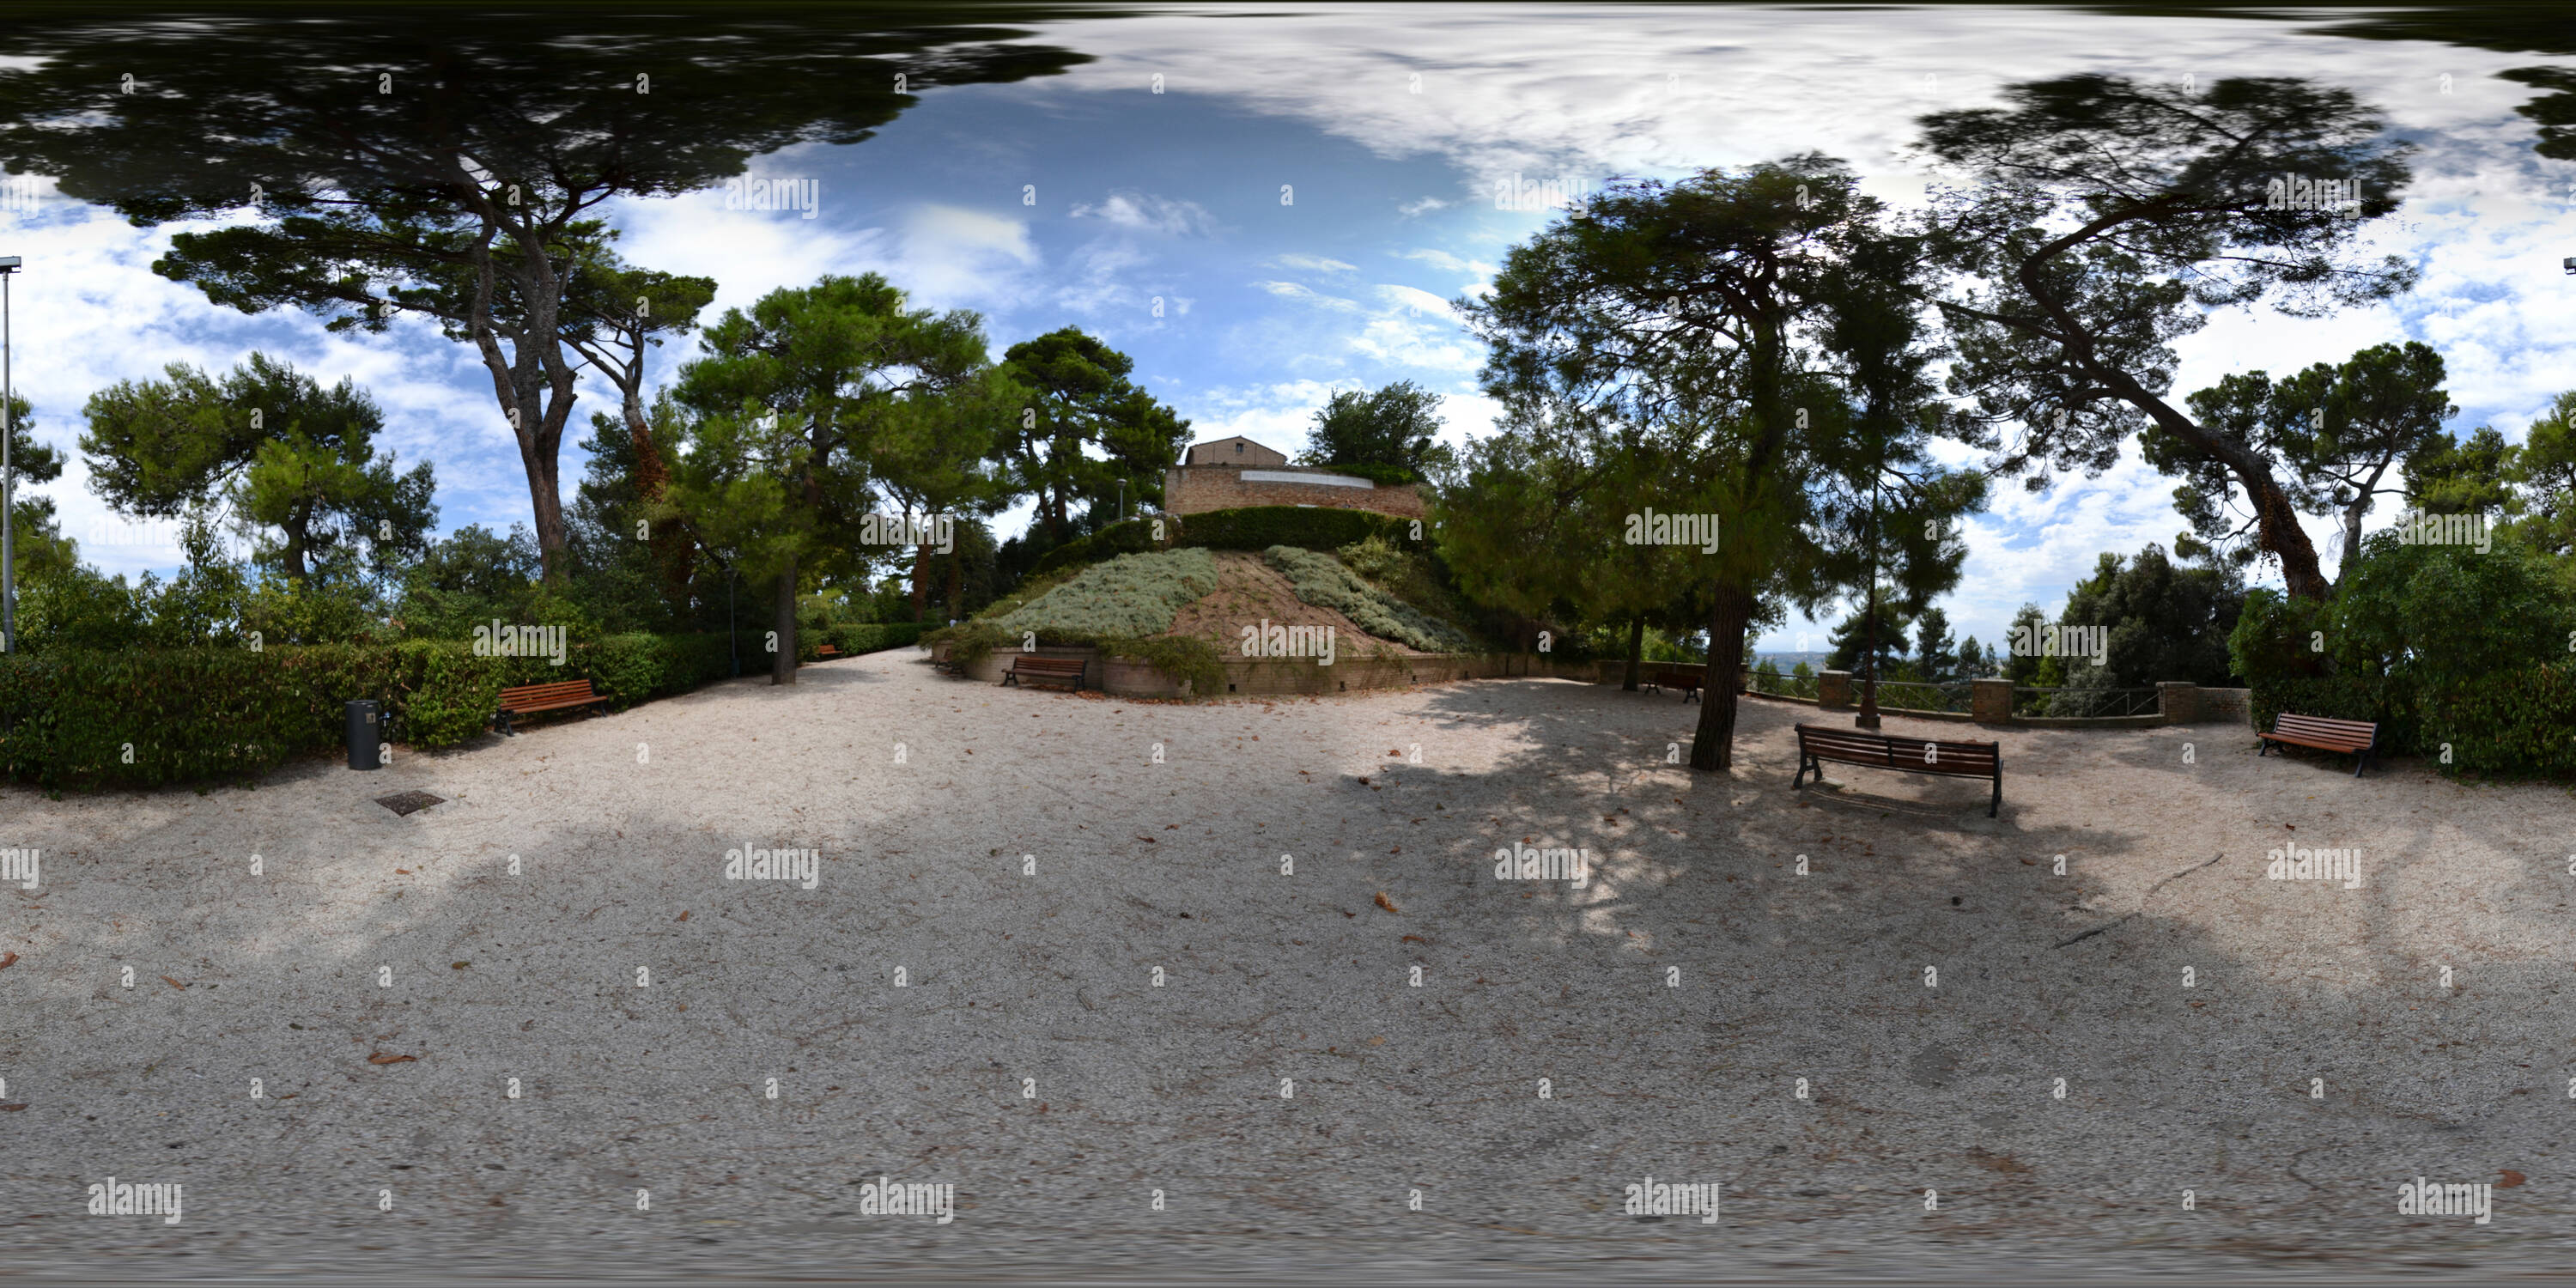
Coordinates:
(1086, 198)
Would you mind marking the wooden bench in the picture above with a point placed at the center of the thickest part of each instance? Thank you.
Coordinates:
(943, 659)
(1818, 744)
(529, 699)
(826, 652)
(1061, 670)
(2324, 734)
(1685, 679)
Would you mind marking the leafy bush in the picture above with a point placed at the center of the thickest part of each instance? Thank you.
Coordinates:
(1259, 527)
(1133, 537)
(145, 717)
(2513, 723)
(1131, 595)
(1182, 657)
(1322, 580)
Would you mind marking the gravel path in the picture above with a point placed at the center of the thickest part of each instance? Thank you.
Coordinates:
(385, 977)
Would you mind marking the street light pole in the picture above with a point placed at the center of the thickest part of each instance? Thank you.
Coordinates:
(8, 473)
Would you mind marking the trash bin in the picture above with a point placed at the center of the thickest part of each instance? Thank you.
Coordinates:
(366, 734)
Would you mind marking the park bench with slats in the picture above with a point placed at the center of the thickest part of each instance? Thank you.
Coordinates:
(1686, 679)
(529, 699)
(2324, 734)
(1055, 670)
(1818, 744)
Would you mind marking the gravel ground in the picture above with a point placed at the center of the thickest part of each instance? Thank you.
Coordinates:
(385, 977)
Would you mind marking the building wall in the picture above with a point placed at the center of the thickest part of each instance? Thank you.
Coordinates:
(1198, 489)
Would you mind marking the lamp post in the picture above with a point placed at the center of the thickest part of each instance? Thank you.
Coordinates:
(8, 474)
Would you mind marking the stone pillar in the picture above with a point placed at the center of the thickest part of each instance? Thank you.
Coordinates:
(2178, 701)
(1833, 690)
(1744, 679)
(1990, 701)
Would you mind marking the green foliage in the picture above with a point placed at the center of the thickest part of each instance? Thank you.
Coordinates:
(1135, 536)
(1131, 595)
(1324, 581)
(1083, 398)
(68, 716)
(1259, 527)
(1396, 429)
(1182, 657)
(2519, 723)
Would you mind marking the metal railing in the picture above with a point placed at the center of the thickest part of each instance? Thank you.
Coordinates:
(1785, 686)
(2044, 700)
(1921, 695)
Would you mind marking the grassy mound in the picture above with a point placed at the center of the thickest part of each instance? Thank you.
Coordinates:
(1324, 580)
(1131, 595)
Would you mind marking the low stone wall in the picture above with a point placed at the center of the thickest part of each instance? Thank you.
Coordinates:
(1196, 489)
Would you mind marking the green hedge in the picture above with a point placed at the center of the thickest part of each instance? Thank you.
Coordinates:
(1259, 527)
(146, 717)
(855, 637)
(1254, 528)
(2511, 724)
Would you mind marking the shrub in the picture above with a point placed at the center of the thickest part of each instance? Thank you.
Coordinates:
(1135, 536)
(1131, 595)
(1322, 580)
(145, 717)
(1259, 527)
(2513, 723)
(1182, 657)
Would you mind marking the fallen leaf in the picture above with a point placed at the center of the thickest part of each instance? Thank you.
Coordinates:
(10, 1109)
(1377, 1041)
(1397, 850)
(1415, 939)
(8, 961)
(381, 1058)
(1393, 752)
(458, 965)
(684, 916)
(1388, 904)
(2505, 1180)
(172, 982)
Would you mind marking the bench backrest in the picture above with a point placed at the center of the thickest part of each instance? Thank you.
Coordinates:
(1895, 751)
(1677, 675)
(536, 693)
(2325, 727)
(1060, 665)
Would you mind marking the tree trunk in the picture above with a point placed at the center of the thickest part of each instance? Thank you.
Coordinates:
(782, 665)
(920, 580)
(1636, 652)
(1730, 611)
(956, 582)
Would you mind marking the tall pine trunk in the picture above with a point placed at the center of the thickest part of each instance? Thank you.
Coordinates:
(782, 665)
(1730, 611)
(1636, 652)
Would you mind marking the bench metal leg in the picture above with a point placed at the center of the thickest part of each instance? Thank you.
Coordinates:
(1010, 678)
(1998, 802)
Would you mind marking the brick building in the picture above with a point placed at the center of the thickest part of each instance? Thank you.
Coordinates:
(1234, 472)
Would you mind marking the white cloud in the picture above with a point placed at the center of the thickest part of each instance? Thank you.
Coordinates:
(1314, 264)
(1145, 212)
